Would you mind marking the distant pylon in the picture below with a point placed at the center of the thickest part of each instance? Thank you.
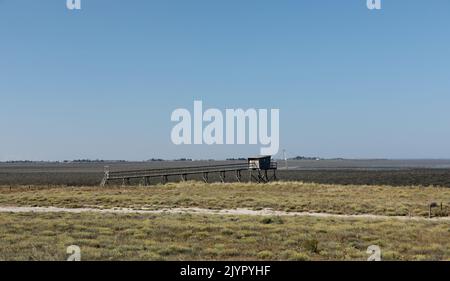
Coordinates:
(285, 159)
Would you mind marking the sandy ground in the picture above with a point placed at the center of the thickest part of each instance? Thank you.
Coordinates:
(247, 212)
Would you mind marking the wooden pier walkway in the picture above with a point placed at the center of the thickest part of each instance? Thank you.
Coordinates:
(257, 173)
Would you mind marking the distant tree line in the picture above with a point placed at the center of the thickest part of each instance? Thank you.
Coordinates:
(305, 158)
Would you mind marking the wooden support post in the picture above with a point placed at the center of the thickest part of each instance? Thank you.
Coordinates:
(431, 206)
(125, 181)
(238, 175)
(256, 177)
(146, 181)
(164, 179)
(105, 177)
(104, 181)
(260, 177)
(183, 177)
(205, 177)
(222, 176)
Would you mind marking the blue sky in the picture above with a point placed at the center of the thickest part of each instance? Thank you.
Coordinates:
(102, 82)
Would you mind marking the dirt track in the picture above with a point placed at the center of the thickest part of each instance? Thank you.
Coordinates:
(247, 212)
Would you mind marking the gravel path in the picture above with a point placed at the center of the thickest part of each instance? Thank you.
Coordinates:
(247, 212)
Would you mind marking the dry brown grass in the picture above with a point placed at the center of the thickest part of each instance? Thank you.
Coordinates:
(283, 196)
(200, 237)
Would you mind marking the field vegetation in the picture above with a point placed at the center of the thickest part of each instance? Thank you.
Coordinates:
(199, 237)
(280, 196)
(168, 236)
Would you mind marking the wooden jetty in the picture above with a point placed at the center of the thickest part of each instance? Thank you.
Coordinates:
(258, 168)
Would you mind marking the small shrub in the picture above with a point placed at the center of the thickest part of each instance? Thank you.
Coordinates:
(291, 255)
(420, 258)
(265, 255)
(227, 232)
(311, 245)
(272, 220)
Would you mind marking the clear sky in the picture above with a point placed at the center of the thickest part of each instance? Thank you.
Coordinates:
(102, 82)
